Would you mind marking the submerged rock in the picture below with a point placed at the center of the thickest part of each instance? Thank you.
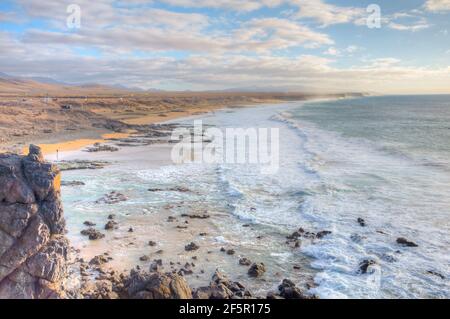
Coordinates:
(191, 246)
(361, 222)
(405, 242)
(245, 261)
(72, 183)
(33, 248)
(257, 270)
(365, 264)
(111, 224)
(92, 234)
(435, 273)
(112, 198)
(89, 223)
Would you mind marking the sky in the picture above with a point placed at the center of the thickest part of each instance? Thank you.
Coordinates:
(379, 46)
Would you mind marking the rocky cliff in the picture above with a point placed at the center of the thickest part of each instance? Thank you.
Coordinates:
(33, 247)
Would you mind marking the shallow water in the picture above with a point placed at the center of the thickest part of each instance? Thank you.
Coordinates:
(234, 196)
(338, 161)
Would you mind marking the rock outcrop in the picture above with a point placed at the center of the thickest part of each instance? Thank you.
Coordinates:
(33, 247)
(221, 287)
(155, 285)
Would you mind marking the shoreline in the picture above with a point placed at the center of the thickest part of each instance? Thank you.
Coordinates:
(87, 118)
(163, 216)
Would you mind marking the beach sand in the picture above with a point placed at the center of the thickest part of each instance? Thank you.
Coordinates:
(165, 217)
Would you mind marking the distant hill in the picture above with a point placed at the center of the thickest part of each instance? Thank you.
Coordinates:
(11, 85)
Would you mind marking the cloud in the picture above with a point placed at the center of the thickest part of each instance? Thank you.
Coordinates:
(219, 71)
(404, 21)
(140, 45)
(236, 5)
(275, 33)
(437, 5)
(327, 14)
(185, 32)
(348, 51)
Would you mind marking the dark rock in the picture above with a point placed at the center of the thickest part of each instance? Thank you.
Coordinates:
(272, 295)
(88, 223)
(245, 262)
(196, 216)
(156, 265)
(92, 233)
(365, 264)
(99, 260)
(141, 285)
(111, 224)
(230, 252)
(222, 288)
(144, 258)
(112, 198)
(435, 273)
(361, 222)
(152, 243)
(288, 290)
(405, 242)
(191, 247)
(323, 233)
(256, 270)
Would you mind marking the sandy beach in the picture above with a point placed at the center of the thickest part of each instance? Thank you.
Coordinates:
(158, 218)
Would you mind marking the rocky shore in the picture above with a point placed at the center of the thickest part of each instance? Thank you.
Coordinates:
(33, 247)
(37, 261)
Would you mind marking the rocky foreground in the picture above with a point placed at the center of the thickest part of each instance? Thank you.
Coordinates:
(35, 255)
(33, 248)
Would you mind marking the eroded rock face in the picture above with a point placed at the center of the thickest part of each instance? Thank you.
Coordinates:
(33, 248)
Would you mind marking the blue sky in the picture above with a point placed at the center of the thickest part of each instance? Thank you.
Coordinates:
(315, 45)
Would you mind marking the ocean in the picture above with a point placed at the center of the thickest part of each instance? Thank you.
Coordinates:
(383, 159)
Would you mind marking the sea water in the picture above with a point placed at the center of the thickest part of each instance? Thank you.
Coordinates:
(383, 159)
(386, 160)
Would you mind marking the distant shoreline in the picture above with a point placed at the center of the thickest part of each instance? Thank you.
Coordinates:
(89, 119)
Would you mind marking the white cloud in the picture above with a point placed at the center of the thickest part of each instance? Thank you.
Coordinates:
(237, 5)
(332, 51)
(214, 56)
(437, 5)
(327, 14)
(404, 21)
(348, 51)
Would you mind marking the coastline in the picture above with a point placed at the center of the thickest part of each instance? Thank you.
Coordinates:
(171, 218)
(88, 118)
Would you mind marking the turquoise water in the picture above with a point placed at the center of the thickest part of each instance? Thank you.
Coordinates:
(384, 159)
(414, 126)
